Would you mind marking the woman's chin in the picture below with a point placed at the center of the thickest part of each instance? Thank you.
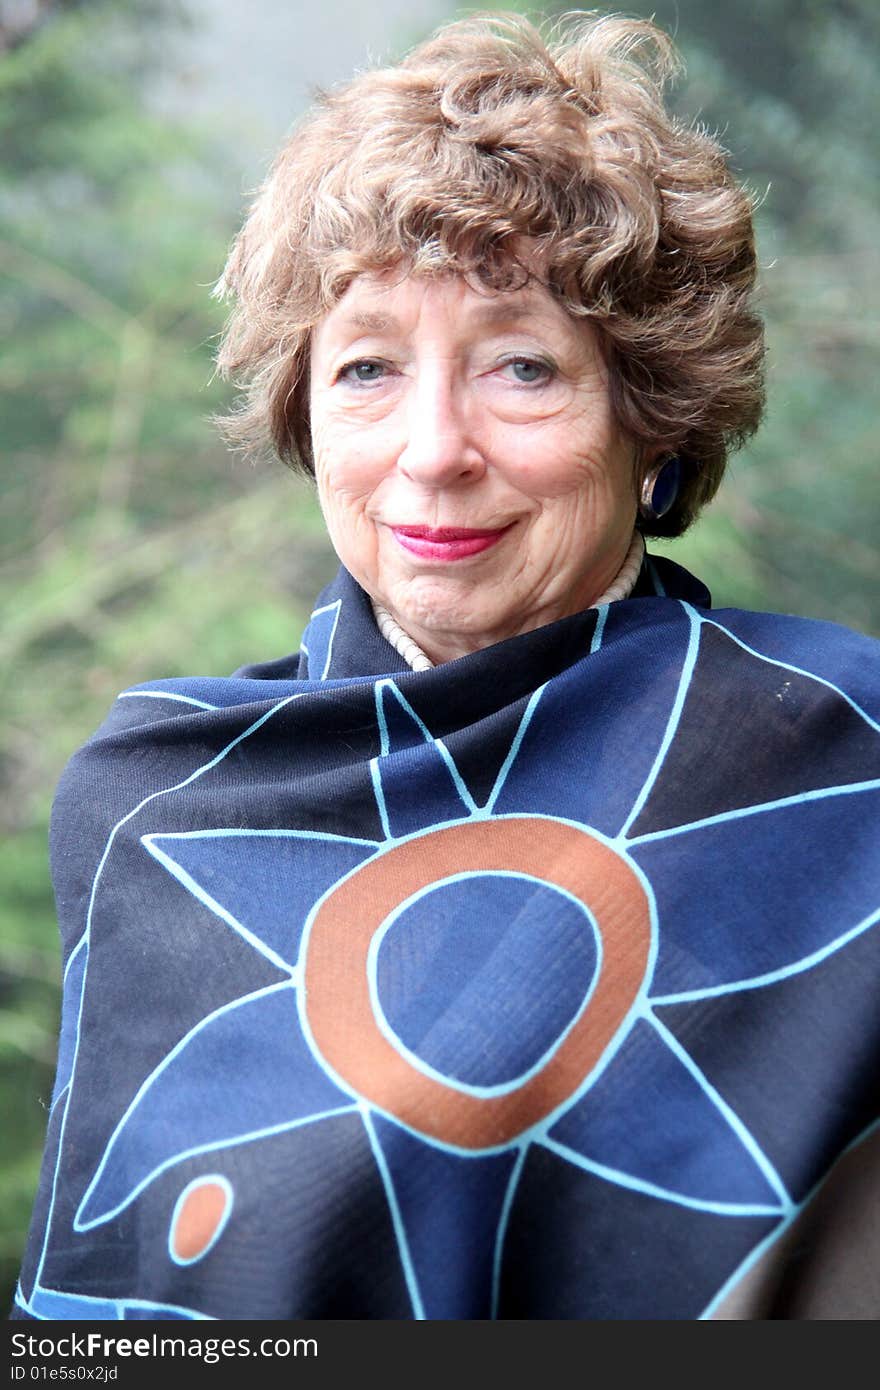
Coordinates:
(447, 611)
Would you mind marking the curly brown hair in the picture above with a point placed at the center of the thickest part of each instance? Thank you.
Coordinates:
(486, 134)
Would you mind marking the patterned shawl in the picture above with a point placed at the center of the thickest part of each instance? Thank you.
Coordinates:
(542, 984)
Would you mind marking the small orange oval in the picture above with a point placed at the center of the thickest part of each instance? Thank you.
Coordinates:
(198, 1219)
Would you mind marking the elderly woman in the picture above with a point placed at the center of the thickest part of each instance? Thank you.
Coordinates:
(511, 951)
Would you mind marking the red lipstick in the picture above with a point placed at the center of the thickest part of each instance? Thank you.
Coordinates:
(446, 542)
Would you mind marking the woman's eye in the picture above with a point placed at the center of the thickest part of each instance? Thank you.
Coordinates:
(528, 370)
(363, 372)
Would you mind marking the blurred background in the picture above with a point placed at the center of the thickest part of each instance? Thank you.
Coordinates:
(134, 546)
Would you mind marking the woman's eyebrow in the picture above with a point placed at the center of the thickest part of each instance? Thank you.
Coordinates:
(493, 312)
(517, 309)
(506, 306)
(368, 322)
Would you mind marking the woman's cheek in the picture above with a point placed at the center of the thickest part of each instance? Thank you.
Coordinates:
(342, 463)
(345, 490)
(547, 468)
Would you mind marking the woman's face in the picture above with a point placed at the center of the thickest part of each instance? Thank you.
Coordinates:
(470, 469)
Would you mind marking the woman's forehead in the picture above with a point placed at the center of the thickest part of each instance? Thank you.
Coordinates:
(391, 300)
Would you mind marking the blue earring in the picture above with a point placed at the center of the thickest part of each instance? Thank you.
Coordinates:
(660, 489)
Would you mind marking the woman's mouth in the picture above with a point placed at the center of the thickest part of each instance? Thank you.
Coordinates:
(447, 542)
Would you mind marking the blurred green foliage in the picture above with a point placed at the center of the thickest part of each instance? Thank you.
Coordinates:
(132, 546)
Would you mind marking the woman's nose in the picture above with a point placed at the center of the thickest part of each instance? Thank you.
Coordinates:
(442, 445)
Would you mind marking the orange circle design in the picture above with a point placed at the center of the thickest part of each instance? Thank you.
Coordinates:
(198, 1219)
(336, 986)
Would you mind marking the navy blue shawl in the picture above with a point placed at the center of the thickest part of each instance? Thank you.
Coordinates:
(543, 984)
